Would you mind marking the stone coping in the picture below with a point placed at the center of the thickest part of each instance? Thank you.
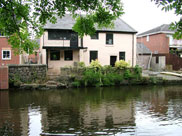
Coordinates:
(26, 65)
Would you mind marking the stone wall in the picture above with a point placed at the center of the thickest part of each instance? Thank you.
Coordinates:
(27, 73)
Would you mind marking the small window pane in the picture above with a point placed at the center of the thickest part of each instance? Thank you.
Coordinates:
(93, 55)
(6, 55)
(54, 55)
(68, 55)
(95, 36)
(109, 38)
(121, 55)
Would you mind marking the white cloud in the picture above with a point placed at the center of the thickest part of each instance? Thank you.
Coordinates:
(144, 15)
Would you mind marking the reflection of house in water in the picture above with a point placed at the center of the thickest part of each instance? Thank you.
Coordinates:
(155, 101)
(108, 115)
(9, 117)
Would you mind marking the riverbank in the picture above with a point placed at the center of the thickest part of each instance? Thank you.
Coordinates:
(147, 78)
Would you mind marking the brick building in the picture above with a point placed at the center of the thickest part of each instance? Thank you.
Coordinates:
(159, 39)
(7, 55)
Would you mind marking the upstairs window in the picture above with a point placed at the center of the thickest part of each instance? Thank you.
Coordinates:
(95, 36)
(54, 55)
(121, 55)
(93, 55)
(148, 38)
(59, 35)
(109, 38)
(68, 55)
(6, 54)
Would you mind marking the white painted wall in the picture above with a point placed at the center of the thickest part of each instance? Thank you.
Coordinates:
(122, 43)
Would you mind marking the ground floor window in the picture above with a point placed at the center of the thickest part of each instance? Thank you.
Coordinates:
(121, 55)
(54, 55)
(68, 55)
(6, 54)
(93, 55)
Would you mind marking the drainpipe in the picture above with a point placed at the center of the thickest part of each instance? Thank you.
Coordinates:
(132, 50)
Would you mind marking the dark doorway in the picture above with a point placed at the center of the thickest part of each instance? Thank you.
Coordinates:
(74, 39)
(113, 60)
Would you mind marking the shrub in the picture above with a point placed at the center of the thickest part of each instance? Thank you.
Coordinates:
(127, 74)
(81, 64)
(138, 71)
(121, 64)
(95, 64)
(92, 78)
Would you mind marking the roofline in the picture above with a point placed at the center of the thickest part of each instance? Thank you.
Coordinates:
(165, 32)
(133, 32)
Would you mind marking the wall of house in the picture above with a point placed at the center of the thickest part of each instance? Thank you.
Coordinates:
(15, 59)
(157, 42)
(54, 65)
(122, 43)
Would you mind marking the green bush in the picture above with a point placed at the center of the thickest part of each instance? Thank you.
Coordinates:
(92, 77)
(121, 64)
(127, 74)
(95, 64)
(81, 64)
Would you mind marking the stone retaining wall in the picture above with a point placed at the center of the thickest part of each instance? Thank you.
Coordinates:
(27, 73)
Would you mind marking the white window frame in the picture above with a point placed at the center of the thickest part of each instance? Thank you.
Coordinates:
(148, 38)
(9, 55)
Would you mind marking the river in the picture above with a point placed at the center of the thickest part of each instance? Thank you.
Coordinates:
(112, 111)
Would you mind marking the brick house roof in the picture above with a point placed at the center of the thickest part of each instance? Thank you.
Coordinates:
(160, 29)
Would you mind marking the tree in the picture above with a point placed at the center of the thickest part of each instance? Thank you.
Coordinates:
(175, 5)
(18, 17)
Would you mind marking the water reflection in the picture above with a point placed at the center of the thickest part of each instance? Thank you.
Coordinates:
(94, 111)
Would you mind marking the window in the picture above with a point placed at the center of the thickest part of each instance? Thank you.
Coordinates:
(59, 35)
(121, 55)
(54, 55)
(109, 38)
(6, 54)
(95, 36)
(68, 55)
(93, 55)
(148, 38)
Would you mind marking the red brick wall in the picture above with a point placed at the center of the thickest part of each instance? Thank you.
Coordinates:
(4, 45)
(157, 42)
(4, 82)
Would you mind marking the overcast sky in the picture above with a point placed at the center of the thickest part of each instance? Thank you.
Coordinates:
(144, 15)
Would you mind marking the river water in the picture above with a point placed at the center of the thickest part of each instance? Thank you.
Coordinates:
(113, 111)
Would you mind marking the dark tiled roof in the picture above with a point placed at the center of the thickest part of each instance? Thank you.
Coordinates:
(67, 22)
(142, 49)
(162, 28)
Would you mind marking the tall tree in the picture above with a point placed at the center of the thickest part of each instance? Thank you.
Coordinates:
(18, 17)
(176, 5)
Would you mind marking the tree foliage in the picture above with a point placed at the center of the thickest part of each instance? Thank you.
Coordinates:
(18, 17)
(176, 5)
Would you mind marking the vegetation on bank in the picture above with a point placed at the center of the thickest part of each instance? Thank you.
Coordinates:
(97, 75)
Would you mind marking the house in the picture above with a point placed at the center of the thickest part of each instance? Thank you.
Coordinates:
(7, 55)
(161, 43)
(159, 39)
(60, 46)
